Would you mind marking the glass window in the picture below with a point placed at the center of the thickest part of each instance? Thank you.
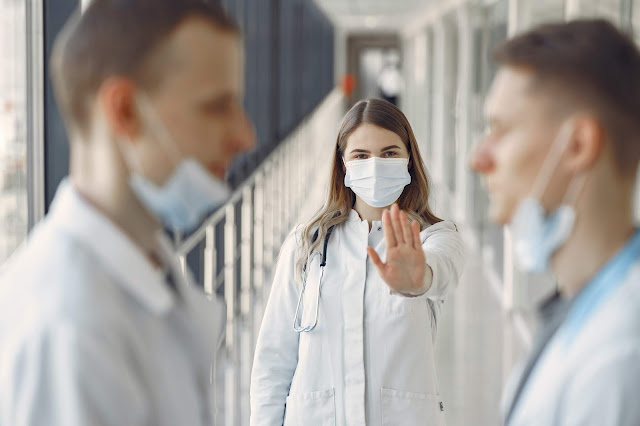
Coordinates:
(493, 33)
(450, 83)
(535, 12)
(608, 9)
(427, 117)
(13, 125)
(635, 19)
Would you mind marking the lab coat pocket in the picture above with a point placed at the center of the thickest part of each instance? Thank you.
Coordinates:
(411, 409)
(313, 408)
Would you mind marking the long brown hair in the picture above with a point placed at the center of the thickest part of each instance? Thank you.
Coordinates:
(341, 199)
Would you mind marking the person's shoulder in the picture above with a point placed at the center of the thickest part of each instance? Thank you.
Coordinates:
(48, 290)
(604, 385)
(294, 237)
(617, 321)
(444, 227)
(56, 304)
(626, 301)
(69, 357)
(292, 242)
(50, 253)
(53, 276)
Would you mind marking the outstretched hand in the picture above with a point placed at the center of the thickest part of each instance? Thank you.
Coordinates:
(405, 267)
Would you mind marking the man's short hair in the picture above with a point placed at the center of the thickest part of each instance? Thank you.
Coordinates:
(118, 38)
(589, 64)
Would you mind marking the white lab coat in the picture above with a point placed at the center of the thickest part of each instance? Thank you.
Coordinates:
(90, 333)
(594, 380)
(370, 359)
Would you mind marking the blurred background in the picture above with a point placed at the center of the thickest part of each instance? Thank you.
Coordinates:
(307, 62)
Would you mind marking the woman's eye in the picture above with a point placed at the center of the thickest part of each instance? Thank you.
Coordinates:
(361, 156)
(390, 154)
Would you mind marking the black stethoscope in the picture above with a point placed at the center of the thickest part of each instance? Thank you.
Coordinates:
(297, 322)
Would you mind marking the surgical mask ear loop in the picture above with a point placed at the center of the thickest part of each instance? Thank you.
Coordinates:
(559, 146)
(575, 189)
(133, 162)
(148, 112)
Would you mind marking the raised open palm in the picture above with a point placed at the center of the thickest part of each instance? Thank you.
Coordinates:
(405, 267)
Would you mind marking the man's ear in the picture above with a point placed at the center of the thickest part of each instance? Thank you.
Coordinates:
(116, 100)
(586, 144)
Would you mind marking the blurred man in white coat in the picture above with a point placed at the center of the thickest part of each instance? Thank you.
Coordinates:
(559, 162)
(97, 324)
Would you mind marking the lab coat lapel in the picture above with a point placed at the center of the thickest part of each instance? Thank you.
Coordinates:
(552, 314)
(510, 389)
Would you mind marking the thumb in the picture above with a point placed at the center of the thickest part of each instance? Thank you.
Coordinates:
(374, 257)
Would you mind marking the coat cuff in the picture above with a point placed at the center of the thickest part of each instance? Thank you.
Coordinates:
(422, 292)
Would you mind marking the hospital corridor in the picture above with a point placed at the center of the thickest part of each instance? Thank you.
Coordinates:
(307, 75)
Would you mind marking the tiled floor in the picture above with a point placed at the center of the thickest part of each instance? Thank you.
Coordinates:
(477, 346)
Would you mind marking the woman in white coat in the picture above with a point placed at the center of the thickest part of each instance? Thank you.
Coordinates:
(352, 342)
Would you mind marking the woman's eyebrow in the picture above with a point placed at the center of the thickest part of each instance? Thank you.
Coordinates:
(359, 150)
(386, 148)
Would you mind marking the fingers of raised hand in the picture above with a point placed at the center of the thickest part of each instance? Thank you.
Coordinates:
(396, 224)
(389, 234)
(415, 228)
(406, 229)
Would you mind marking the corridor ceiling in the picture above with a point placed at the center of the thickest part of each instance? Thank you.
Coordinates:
(374, 14)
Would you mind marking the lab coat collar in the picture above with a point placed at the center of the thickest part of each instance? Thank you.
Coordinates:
(128, 265)
(601, 287)
(354, 218)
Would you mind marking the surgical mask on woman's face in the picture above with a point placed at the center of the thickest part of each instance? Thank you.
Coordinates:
(535, 234)
(188, 195)
(379, 182)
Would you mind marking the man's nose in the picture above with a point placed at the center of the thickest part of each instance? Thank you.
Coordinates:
(244, 133)
(481, 160)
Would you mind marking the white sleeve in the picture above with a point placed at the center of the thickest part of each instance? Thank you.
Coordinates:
(72, 377)
(444, 250)
(276, 355)
(605, 392)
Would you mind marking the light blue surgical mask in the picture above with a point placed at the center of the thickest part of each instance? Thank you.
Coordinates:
(379, 182)
(537, 235)
(188, 195)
